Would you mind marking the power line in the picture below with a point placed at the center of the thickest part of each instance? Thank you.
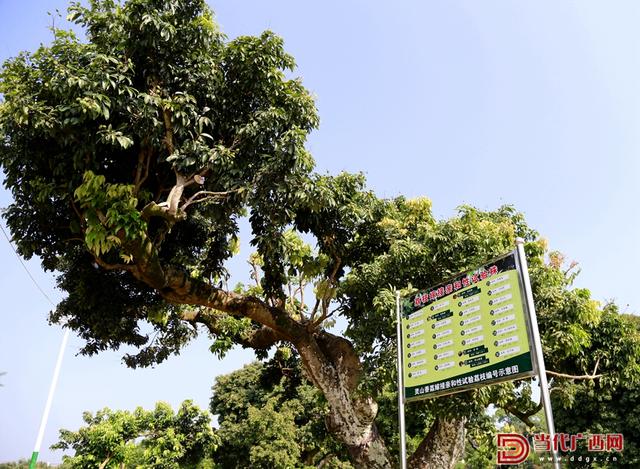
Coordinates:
(25, 266)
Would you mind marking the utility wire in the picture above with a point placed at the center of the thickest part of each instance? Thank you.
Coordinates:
(25, 266)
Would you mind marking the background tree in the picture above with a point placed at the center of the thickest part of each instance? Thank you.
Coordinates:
(147, 439)
(22, 464)
(131, 158)
(269, 415)
(600, 406)
(480, 444)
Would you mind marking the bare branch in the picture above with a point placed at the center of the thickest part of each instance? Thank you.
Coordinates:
(168, 130)
(78, 214)
(579, 377)
(291, 299)
(473, 443)
(315, 310)
(202, 196)
(144, 162)
(325, 300)
(74, 238)
(256, 273)
(300, 290)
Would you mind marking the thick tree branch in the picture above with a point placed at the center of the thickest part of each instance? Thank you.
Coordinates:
(105, 462)
(314, 311)
(158, 210)
(178, 287)
(449, 435)
(108, 266)
(174, 197)
(261, 338)
(524, 417)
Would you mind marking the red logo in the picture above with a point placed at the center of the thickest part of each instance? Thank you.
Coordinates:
(512, 448)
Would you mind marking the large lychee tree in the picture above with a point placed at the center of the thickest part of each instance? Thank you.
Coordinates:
(134, 152)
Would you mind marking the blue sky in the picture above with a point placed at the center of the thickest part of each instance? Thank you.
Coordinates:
(535, 104)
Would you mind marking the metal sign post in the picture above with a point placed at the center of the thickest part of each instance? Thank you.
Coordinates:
(403, 443)
(537, 346)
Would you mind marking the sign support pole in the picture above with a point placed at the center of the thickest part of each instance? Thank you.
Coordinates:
(401, 425)
(47, 407)
(537, 345)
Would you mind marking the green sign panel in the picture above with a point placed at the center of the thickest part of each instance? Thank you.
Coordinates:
(467, 332)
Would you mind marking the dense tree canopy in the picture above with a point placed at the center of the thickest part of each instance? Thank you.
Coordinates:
(159, 439)
(131, 157)
(604, 406)
(270, 416)
(108, 145)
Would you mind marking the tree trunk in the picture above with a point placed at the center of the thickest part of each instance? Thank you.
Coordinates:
(371, 452)
(442, 447)
(333, 366)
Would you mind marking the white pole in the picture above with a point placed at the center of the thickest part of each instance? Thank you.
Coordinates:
(537, 345)
(403, 442)
(47, 407)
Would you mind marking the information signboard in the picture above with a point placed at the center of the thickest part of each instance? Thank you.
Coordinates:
(469, 331)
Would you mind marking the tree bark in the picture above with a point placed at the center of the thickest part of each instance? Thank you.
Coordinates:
(442, 447)
(333, 366)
